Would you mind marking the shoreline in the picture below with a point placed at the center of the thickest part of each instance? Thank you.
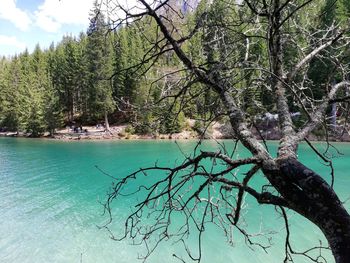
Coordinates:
(99, 135)
(137, 137)
(120, 133)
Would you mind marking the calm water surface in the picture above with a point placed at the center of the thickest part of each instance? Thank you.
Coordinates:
(50, 210)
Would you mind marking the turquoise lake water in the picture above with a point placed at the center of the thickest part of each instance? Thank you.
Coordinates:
(50, 193)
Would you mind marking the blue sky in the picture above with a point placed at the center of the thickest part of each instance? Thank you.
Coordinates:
(24, 23)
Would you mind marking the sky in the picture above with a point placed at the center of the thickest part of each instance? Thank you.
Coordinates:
(24, 23)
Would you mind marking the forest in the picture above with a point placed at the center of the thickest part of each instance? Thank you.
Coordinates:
(165, 62)
(104, 76)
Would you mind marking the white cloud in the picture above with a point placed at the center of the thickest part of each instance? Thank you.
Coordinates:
(11, 42)
(52, 14)
(9, 11)
(47, 23)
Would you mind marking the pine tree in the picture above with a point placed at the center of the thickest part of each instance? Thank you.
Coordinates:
(37, 84)
(53, 109)
(100, 60)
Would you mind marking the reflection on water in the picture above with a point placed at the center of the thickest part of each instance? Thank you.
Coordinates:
(50, 193)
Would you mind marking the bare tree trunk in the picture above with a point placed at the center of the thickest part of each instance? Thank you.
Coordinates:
(310, 195)
(305, 191)
(302, 189)
(334, 116)
(106, 122)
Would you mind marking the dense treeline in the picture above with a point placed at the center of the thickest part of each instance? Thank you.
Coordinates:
(82, 80)
(101, 76)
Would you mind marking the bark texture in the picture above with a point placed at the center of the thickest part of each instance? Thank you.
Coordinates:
(311, 196)
(302, 189)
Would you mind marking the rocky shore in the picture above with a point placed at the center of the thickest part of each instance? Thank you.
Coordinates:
(269, 131)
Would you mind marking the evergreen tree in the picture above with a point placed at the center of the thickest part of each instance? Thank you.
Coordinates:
(100, 60)
(15, 97)
(53, 110)
(37, 84)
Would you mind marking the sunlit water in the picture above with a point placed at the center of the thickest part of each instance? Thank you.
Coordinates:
(50, 209)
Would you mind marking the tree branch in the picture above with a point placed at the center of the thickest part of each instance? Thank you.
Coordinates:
(317, 115)
(311, 55)
(261, 198)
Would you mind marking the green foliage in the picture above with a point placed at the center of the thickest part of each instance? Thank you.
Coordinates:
(146, 123)
(99, 73)
(130, 129)
(321, 71)
(173, 121)
(84, 78)
(53, 114)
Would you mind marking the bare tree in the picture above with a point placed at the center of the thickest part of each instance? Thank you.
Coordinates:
(215, 190)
